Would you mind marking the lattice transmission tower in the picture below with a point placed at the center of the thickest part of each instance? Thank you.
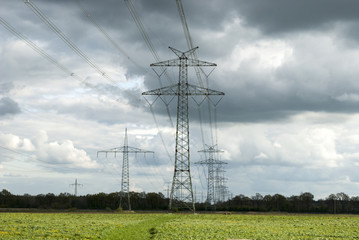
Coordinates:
(181, 190)
(222, 192)
(212, 178)
(76, 185)
(125, 182)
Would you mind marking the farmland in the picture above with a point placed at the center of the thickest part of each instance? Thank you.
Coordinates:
(176, 226)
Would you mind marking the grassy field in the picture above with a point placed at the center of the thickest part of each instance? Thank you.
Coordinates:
(176, 226)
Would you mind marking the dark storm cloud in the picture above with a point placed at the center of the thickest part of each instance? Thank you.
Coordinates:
(254, 99)
(351, 31)
(280, 16)
(274, 108)
(8, 107)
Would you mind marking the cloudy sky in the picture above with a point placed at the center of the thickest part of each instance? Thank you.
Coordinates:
(289, 121)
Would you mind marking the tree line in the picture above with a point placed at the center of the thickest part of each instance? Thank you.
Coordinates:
(141, 201)
(303, 203)
(99, 201)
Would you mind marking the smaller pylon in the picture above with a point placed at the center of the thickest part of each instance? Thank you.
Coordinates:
(211, 164)
(76, 184)
(125, 183)
(167, 189)
(220, 186)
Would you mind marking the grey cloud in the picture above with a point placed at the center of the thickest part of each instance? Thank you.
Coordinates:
(351, 30)
(9, 107)
(268, 106)
(6, 87)
(280, 16)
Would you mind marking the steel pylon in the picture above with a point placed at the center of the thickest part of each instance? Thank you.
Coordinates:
(76, 184)
(212, 165)
(125, 181)
(181, 191)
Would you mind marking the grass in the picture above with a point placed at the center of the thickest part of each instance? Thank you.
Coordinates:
(177, 226)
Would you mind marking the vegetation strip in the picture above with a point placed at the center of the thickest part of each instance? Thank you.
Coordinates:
(177, 226)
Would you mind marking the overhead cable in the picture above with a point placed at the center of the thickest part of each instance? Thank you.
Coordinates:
(65, 39)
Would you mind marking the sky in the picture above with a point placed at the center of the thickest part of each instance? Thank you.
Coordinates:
(288, 123)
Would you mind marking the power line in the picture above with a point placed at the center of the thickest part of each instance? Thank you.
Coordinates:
(107, 36)
(149, 44)
(150, 47)
(115, 45)
(45, 55)
(50, 59)
(188, 38)
(65, 39)
(145, 36)
(197, 69)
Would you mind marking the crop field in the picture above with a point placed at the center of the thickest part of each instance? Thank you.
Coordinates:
(176, 226)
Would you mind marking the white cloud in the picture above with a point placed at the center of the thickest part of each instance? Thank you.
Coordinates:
(15, 142)
(261, 156)
(65, 152)
(263, 54)
(313, 146)
(292, 144)
(51, 152)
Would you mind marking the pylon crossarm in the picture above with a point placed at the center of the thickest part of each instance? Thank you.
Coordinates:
(124, 149)
(199, 63)
(138, 150)
(196, 90)
(208, 161)
(167, 63)
(211, 150)
(190, 62)
(170, 90)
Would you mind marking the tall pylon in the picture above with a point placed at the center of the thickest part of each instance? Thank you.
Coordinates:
(125, 183)
(181, 190)
(212, 164)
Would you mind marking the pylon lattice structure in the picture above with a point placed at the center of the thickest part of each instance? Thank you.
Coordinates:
(125, 181)
(212, 179)
(181, 190)
(222, 192)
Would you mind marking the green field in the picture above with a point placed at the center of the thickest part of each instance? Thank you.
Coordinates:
(176, 226)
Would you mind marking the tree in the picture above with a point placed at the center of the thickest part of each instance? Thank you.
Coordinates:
(5, 198)
(280, 202)
(342, 197)
(257, 199)
(332, 200)
(343, 202)
(5, 193)
(306, 200)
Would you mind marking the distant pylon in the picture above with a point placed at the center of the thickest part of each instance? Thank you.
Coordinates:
(125, 183)
(76, 184)
(167, 190)
(211, 164)
(220, 186)
(181, 191)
